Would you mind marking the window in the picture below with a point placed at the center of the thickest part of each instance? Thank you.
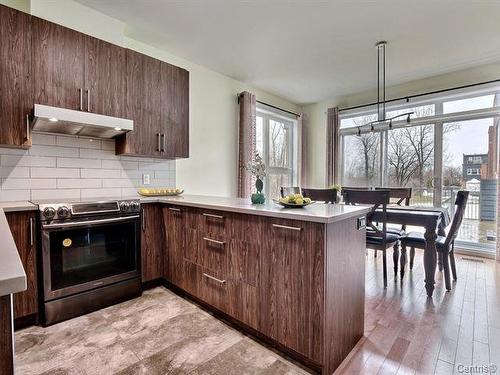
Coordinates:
(472, 171)
(475, 160)
(276, 143)
(450, 144)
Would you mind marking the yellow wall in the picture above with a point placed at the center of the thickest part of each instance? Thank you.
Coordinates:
(317, 112)
(212, 166)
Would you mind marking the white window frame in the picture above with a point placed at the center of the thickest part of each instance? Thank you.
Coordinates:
(437, 121)
(290, 122)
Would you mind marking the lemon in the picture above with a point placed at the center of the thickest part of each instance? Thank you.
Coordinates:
(299, 201)
(307, 200)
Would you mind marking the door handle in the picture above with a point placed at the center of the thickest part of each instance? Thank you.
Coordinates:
(164, 142)
(143, 220)
(214, 278)
(174, 209)
(159, 145)
(80, 91)
(214, 216)
(32, 232)
(222, 243)
(286, 227)
(88, 100)
(27, 127)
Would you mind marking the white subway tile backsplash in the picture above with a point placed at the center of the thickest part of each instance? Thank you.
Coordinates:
(28, 183)
(97, 154)
(120, 183)
(14, 195)
(78, 163)
(55, 194)
(96, 193)
(78, 183)
(40, 172)
(101, 173)
(43, 139)
(60, 167)
(42, 150)
(14, 172)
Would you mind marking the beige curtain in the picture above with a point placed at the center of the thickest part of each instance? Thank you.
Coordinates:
(332, 146)
(302, 150)
(246, 142)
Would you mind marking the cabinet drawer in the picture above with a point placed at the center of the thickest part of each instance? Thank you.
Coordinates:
(213, 253)
(214, 289)
(214, 223)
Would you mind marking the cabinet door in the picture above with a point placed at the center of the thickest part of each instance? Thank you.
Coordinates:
(58, 65)
(175, 111)
(143, 106)
(152, 241)
(22, 226)
(105, 80)
(175, 241)
(15, 77)
(291, 283)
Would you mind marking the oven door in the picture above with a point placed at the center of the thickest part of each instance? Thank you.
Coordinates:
(90, 253)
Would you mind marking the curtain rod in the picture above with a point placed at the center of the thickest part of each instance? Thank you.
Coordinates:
(407, 98)
(278, 108)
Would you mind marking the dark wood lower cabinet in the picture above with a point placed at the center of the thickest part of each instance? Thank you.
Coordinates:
(22, 226)
(152, 242)
(299, 285)
(6, 346)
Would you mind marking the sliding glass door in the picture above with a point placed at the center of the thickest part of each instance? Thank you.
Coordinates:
(449, 144)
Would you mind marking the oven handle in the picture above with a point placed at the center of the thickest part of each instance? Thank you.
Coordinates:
(88, 222)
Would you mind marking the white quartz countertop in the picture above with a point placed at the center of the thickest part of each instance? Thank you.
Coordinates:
(12, 275)
(316, 212)
(18, 206)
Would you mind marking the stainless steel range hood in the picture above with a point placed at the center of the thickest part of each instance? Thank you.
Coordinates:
(67, 121)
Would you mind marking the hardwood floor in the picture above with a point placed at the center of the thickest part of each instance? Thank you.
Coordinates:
(407, 333)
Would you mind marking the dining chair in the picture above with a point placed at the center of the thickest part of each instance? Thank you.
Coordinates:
(287, 190)
(377, 238)
(444, 245)
(322, 195)
(399, 196)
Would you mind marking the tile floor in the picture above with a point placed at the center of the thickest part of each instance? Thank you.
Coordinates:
(158, 333)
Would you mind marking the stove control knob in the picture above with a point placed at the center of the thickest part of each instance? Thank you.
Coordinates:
(134, 206)
(49, 212)
(124, 206)
(63, 212)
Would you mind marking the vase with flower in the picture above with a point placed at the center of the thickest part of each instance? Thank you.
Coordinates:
(257, 168)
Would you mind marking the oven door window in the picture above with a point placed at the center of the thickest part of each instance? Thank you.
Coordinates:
(87, 254)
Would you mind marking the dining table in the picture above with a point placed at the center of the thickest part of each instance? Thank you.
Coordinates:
(433, 219)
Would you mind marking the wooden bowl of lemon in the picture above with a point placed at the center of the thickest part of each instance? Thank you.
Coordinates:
(155, 192)
(293, 201)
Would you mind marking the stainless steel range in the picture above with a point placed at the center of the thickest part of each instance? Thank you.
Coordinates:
(90, 256)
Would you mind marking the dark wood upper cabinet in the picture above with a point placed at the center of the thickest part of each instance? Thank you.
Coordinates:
(175, 111)
(105, 78)
(158, 102)
(143, 103)
(15, 77)
(58, 65)
(22, 226)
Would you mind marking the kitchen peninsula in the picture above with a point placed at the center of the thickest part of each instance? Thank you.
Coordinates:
(292, 277)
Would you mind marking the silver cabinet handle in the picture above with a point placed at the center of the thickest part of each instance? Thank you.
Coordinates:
(286, 227)
(143, 220)
(174, 209)
(88, 100)
(222, 243)
(159, 146)
(164, 142)
(80, 91)
(214, 278)
(214, 216)
(27, 127)
(32, 231)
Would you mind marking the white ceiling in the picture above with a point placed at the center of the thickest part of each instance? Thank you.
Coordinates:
(310, 50)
